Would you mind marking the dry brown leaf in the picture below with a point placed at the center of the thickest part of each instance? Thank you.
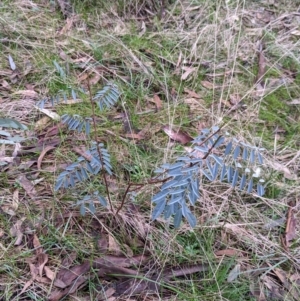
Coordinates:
(291, 223)
(113, 246)
(33, 148)
(188, 71)
(54, 130)
(257, 292)
(83, 77)
(102, 243)
(8, 210)
(206, 84)
(67, 276)
(192, 102)
(71, 279)
(282, 276)
(27, 93)
(12, 207)
(57, 295)
(129, 251)
(227, 252)
(234, 273)
(281, 168)
(179, 60)
(273, 287)
(70, 258)
(5, 85)
(26, 285)
(17, 231)
(28, 186)
(294, 102)
(147, 129)
(95, 78)
(68, 26)
(42, 259)
(296, 32)
(42, 123)
(49, 113)
(108, 294)
(43, 153)
(43, 280)
(133, 136)
(191, 93)
(157, 101)
(49, 273)
(179, 136)
(37, 245)
(33, 271)
(225, 103)
(234, 98)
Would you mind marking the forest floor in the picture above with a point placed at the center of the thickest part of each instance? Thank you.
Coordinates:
(181, 66)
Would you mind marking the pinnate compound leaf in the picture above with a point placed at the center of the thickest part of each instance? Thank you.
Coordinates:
(82, 209)
(159, 196)
(177, 218)
(260, 189)
(243, 182)
(12, 123)
(260, 158)
(107, 97)
(191, 219)
(223, 172)
(159, 208)
(236, 152)
(250, 186)
(235, 178)
(59, 69)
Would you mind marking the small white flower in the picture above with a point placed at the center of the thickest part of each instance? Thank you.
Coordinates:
(257, 172)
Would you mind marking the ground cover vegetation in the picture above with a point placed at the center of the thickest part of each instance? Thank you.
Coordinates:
(149, 150)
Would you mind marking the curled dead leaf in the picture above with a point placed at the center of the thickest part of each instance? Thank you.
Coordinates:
(234, 273)
(291, 223)
(157, 101)
(43, 153)
(17, 231)
(113, 246)
(191, 93)
(187, 72)
(178, 136)
(27, 93)
(28, 186)
(206, 84)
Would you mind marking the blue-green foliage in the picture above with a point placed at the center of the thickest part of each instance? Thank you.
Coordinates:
(213, 158)
(88, 201)
(84, 166)
(107, 97)
(96, 158)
